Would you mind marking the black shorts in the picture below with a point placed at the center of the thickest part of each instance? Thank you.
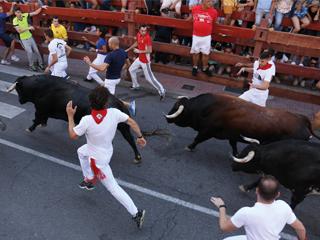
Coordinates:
(6, 39)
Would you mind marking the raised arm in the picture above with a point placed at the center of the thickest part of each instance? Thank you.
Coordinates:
(132, 46)
(36, 12)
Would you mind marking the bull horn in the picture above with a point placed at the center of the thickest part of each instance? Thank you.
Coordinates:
(250, 140)
(180, 97)
(246, 159)
(177, 113)
(12, 87)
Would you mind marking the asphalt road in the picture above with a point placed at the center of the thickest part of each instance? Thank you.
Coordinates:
(41, 200)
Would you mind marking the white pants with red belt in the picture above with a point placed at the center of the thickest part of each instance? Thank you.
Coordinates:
(134, 68)
(93, 72)
(256, 96)
(109, 182)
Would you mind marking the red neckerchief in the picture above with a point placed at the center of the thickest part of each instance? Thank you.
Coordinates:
(98, 115)
(265, 67)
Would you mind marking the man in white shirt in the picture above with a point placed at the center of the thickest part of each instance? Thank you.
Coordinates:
(263, 71)
(58, 52)
(100, 128)
(265, 220)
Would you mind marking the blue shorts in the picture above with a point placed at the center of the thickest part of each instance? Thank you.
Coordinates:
(6, 39)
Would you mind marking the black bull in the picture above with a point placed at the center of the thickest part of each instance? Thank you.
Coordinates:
(227, 117)
(50, 96)
(295, 163)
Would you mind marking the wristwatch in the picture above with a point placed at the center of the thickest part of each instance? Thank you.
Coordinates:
(223, 206)
(141, 136)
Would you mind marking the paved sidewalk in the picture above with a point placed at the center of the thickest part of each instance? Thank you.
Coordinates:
(174, 85)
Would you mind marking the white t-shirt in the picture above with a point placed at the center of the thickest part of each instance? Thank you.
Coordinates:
(100, 136)
(57, 46)
(264, 221)
(261, 75)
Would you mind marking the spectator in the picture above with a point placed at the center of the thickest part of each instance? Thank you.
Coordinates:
(265, 220)
(282, 8)
(225, 68)
(101, 50)
(204, 17)
(263, 8)
(124, 5)
(21, 24)
(8, 41)
(314, 11)
(170, 5)
(153, 7)
(299, 16)
(143, 47)
(58, 52)
(163, 34)
(59, 31)
(228, 7)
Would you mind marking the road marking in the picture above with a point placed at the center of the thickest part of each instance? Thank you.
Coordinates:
(9, 111)
(131, 186)
(5, 85)
(17, 71)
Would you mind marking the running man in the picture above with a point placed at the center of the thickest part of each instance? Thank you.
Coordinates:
(100, 128)
(58, 52)
(8, 41)
(21, 24)
(101, 50)
(143, 47)
(263, 71)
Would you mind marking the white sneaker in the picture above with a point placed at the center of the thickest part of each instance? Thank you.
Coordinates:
(15, 58)
(5, 62)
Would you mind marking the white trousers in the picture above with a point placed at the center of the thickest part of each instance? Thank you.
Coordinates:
(240, 237)
(256, 96)
(147, 73)
(59, 69)
(111, 84)
(93, 72)
(109, 182)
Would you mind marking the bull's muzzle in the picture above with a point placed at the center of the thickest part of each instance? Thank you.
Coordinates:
(246, 159)
(12, 87)
(177, 113)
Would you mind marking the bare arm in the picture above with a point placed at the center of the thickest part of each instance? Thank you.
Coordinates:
(123, 5)
(300, 229)
(70, 112)
(101, 68)
(10, 13)
(135, 127)
(22, 30)
(36, 12)
(224, 221)
(132, 46)
(245, 69)
(68, 50)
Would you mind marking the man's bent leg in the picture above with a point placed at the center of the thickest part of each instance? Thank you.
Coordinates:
(85, 163)
(117, 192)
(111, 84)
(28, 48)
(133, 69)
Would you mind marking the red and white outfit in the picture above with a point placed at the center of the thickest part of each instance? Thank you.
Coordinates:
(100, 128)
(260, 74)
(143, 61)
(203, 20)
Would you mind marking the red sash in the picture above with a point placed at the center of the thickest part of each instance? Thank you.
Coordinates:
(98, 174)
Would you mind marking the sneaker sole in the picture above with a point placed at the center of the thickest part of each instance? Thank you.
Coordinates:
(84, 187)
(142, 219)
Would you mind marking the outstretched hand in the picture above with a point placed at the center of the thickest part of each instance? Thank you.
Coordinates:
(70, 110)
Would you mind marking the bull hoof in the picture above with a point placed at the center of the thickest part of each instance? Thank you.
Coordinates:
(137, 160)
(189, 149)
(243, 189)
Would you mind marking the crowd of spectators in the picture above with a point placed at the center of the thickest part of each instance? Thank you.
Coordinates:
(301, 13)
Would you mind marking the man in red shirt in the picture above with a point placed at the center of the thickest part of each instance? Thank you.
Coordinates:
(143, 47)
(204, 16)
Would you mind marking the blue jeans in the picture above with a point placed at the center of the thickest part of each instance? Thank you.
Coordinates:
(259, 14)
(278, 20)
